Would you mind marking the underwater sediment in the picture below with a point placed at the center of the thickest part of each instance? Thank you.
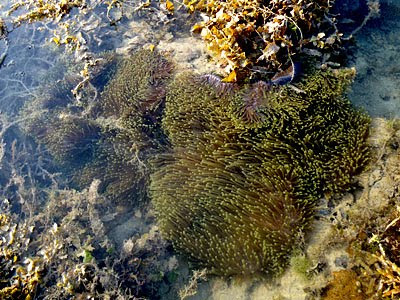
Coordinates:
(238, 188)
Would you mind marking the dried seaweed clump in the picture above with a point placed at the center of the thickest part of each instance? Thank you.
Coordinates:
(237, 196)
(59, 12)
(344, 286)
(16, 281)
(253, 35)
(375, 253)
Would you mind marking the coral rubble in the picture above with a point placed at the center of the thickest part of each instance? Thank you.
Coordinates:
(236, 193)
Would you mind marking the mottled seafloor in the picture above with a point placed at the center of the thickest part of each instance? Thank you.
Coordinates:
(376, 57)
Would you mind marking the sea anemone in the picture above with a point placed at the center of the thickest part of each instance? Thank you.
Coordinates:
(221, 88)
(71, 139)
(254, 100)
(112, 138)
(235, 197)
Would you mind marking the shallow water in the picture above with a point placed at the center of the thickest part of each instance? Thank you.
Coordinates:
(32, 60)
(376, 60)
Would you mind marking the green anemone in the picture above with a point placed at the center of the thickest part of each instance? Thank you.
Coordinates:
(238, 188)
(112, 131)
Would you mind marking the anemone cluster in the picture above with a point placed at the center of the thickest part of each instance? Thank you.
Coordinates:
(114, 128)
(238, 187)
(130, 110)
(234, 171)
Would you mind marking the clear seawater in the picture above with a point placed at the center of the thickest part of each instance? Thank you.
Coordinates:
(30, 60)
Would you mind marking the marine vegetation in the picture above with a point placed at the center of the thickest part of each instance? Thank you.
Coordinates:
(84, 27)
(238, 188)
(58, 242)
(365, 227)
(110, 133)
(252, 36)
(344, 286)
(375, 254)
(56, 11)
(63, 252)
(23, 282)
(130, 113)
